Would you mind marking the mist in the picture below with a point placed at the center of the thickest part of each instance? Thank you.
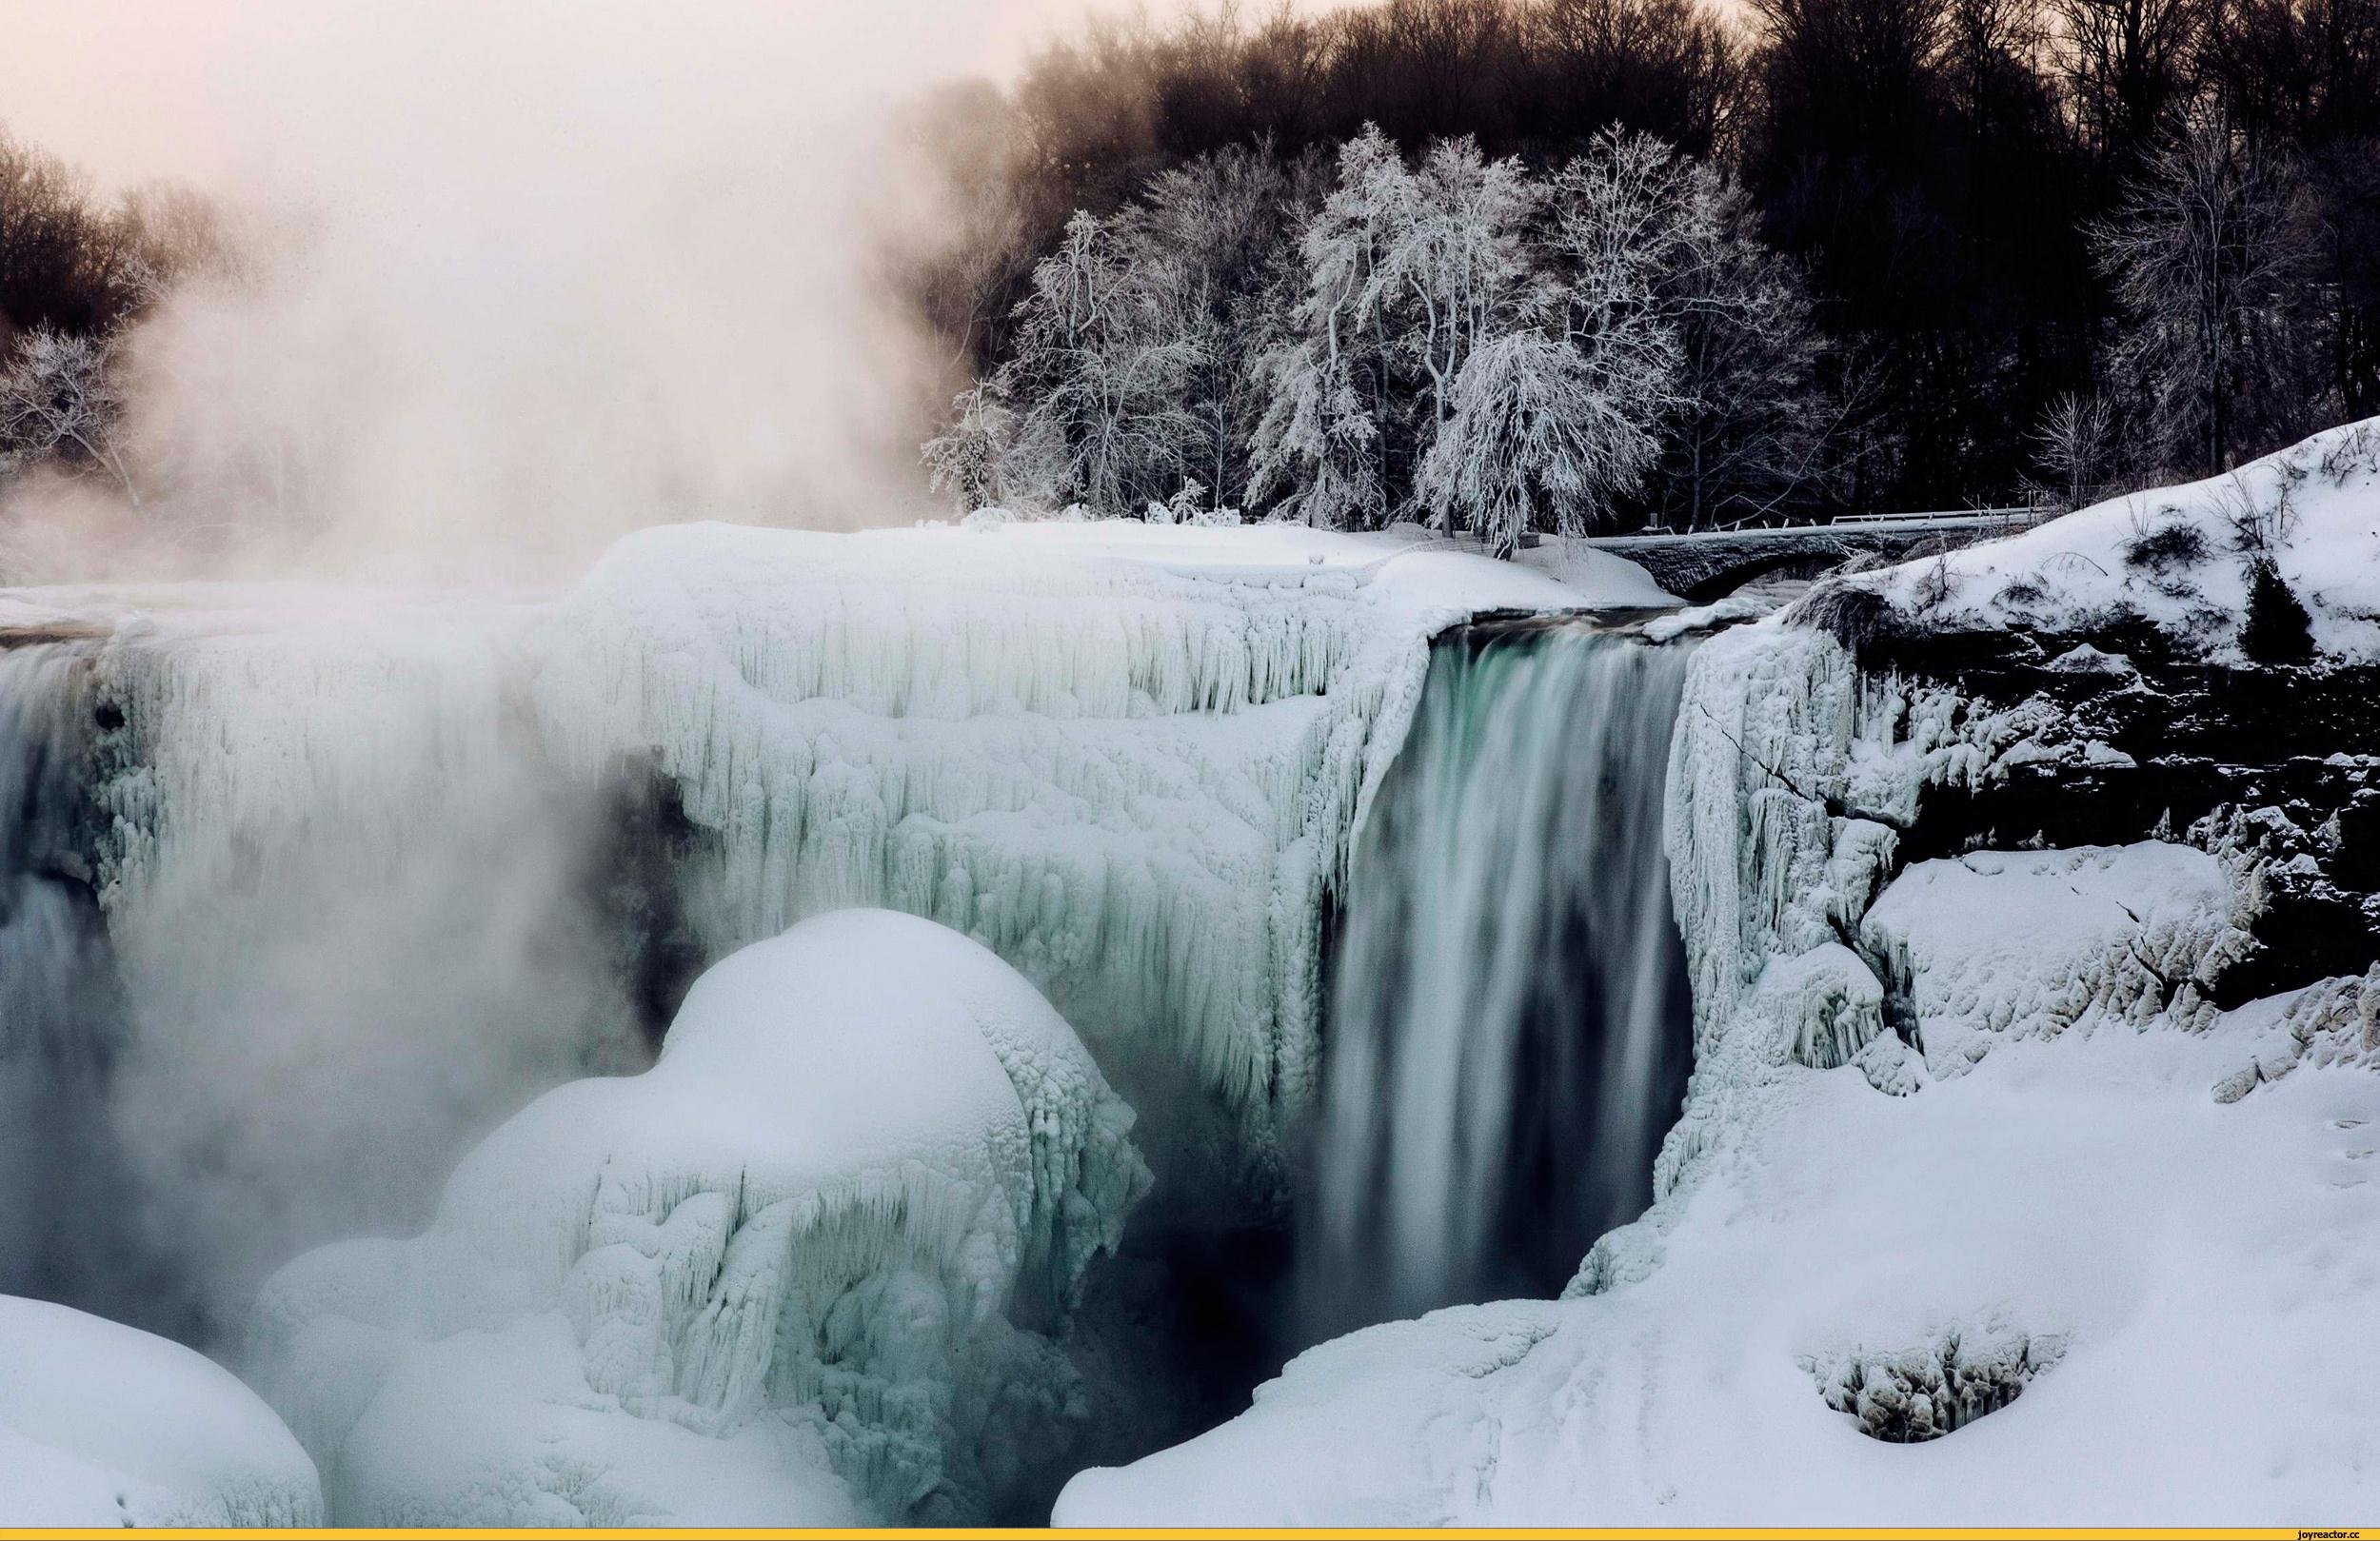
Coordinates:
(517, 278)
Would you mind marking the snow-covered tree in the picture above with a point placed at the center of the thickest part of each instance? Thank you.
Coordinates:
(1457, 273)
(1531, 444)
(1215, 244)
(1322, 452)
(970, 459)
(59, 400)
(1097, 378)
(2207, 252)
(1558, 407)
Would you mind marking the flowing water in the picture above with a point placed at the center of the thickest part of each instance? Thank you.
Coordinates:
(1509, 1036)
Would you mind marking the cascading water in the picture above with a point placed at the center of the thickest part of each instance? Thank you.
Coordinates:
(61, 1235)
(1509, 1034)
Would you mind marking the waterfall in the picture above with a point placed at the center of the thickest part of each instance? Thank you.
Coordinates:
(62, 1234)
(1509, 1033)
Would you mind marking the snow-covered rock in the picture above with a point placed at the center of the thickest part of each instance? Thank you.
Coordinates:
(101, 1425)
(791, 1274)
(1998, 945)
(2181, 558)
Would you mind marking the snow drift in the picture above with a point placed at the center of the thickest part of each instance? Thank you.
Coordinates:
(791, 1274)
(101, 1425)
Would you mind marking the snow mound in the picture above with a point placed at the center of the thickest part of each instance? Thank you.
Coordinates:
(1999, 945)
(102, 1425)
(2183, 559)
(789, 1276)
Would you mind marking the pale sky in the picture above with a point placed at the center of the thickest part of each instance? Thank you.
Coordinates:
(211, 89)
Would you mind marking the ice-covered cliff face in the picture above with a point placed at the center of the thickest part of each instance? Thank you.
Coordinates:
(352, 875)
(1128, 758)
(2028, 900)
(792, 1273)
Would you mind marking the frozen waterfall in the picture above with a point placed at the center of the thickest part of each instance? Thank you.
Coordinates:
(1509, 1031)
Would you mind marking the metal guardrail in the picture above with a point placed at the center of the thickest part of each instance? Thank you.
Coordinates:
(1946, 516)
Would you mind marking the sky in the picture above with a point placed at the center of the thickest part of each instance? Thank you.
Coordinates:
(211, 89)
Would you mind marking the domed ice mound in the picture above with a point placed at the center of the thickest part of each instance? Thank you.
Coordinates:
(801, 1272)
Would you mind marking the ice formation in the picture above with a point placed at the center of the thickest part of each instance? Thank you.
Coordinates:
(364, 879)
(2048, 1183)
(1126, 758)
(791, 1274)
(102, 1425)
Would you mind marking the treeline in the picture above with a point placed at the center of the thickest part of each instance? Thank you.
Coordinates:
(76, 271)
(1888, 254)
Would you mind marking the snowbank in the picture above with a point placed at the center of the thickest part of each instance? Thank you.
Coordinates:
(2180, 559)
(101, 1425)
(785, 1276)
(2161, 1277)
(2001, 944)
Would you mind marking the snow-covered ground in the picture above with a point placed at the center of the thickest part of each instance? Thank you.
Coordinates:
(2180, 1273)
(104, 1426)
(789, 1275)
(2180, 557)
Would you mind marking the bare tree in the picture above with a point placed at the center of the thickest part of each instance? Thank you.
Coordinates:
(2074, 438)
(2205, 253)
(1751, 427)
(2127, 65)
(58, 399)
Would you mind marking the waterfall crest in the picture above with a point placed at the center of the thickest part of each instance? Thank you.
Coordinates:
(1509, 1033)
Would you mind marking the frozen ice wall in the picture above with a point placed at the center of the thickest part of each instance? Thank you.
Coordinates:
(1508, 1020)
(368, 885)
(1127, 759)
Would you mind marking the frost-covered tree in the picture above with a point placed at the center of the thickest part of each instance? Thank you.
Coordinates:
(1456, 272)
(1569, 378)
(1531, 443)
(2205, 254)
(1322, 452)
(59, 401)
(1751, 421)
(1215, 244)
(1097, 378)
(971, 459)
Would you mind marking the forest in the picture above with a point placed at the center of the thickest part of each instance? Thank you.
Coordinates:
(1573, 265)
